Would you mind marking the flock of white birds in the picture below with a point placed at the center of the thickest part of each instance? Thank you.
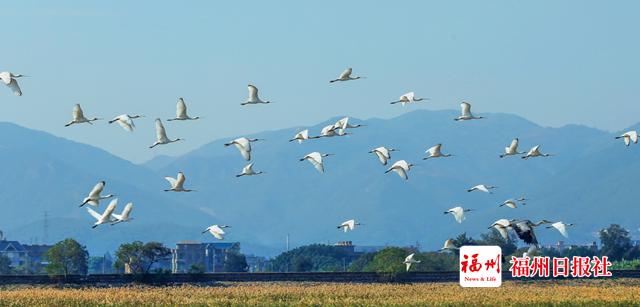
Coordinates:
(524, 229)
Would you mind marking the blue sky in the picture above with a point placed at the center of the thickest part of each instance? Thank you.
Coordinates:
(553, 62)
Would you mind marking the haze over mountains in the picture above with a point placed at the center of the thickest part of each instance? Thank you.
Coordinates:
(591, 181)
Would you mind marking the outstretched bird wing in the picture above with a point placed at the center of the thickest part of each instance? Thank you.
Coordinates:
(316, 159)
(77, 112)
(161, 134)
(13, 85)
(97, 189)
(172, 181)
(106, 215)
(345, 74)
(181, 109)
(95, 215)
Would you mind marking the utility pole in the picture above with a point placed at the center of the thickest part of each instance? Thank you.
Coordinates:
(45, 237)
(287, 242)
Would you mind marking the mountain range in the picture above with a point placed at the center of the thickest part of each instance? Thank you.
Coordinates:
(589, 180)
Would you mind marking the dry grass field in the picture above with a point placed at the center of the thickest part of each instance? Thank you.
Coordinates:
(619, 292)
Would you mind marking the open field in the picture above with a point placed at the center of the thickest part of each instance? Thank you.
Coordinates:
(621, 292)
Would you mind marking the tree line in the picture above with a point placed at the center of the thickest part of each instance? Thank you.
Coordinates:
(68, 257)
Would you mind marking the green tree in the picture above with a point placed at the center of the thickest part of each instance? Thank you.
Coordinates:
(196, 268)
(615, 242)
(5, 265)
(434, 261)
(359, 264)
(140, 257)
(314, 257)
(301, 263)
(67, 257)
(235, 262)
(388, 260)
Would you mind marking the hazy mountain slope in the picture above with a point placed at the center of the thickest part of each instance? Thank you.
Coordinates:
(42, 173)
(293, 198)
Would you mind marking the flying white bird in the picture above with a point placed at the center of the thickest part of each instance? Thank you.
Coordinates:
(482, 188)
(253, 96)
(409, 261)
(181, 112)
(10, 81)
(331, 131)
(78, 117)
(315, 158)
(458, 213)
(401, 167)
(94, 197)
(383, 154)
(561, 227)
(125, 121)
(248, 171)
(629, 136)
(302, 136)
(216, 231)
(512, 203)
(344, 124)
(345, 76)
(349, 225)
(512, 149)
(535, 152)
(465, 113)
(408, 98)
(244, 146)
(449, 245)
(105, 217)
(124, 217)
(434, 152)
(177, 184)
(502, 225)
(161, 135)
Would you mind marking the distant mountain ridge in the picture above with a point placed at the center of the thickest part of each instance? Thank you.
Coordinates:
(589, 181)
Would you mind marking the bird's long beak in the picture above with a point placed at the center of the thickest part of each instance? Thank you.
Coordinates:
(205, 231)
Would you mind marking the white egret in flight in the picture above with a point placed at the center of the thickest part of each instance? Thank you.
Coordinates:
(435, 152)
(10, 81)
(177, 184)
(449, 245)
(315, 158)
(401, 168)
(482, 188)
(105, 217)
(408, 98)
(181, 112)
(628, 137)
(535, 152)
(458, 213)
(78, 117)
(248, 171)
(216, 231)
(383, 153)
(244, 146)
(561, 227)
(253, 96)
(348, 225)
(125, 121)
(161, 135)
(345, 76)
(465, 112)
(512, 149)
(94, 197)
(409, 261)
(124, 216)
